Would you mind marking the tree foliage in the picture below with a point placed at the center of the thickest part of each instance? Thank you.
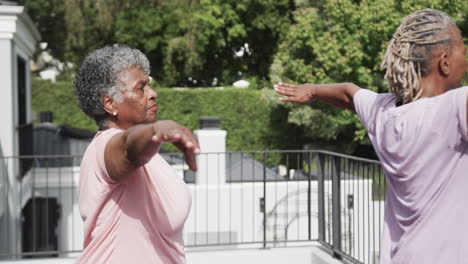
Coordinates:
(72, 28)
(189, 43)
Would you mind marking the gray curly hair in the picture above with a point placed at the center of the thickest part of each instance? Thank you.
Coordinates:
(408, 56)
(101, 73)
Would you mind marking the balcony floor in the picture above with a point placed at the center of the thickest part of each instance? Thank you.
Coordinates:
(304, 254)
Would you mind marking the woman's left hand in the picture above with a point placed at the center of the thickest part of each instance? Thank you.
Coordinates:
(180, 136)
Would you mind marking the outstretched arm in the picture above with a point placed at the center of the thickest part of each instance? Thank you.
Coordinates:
(131, 149)
(337, 94)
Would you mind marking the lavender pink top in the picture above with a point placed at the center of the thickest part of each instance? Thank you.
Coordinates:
(138, 221)
(423, 147)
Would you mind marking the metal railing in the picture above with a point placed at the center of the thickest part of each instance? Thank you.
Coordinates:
(351, 219)
(239, 199)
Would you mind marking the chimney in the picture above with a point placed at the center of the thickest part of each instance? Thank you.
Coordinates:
(212, 160)
(209, 122)
(46, 117)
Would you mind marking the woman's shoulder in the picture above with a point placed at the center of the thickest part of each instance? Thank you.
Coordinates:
(100, 140)
(459, 91)
(452, 93)
(376, 100)
(453, 98)
(93, 158)
(105, 135)
(107, 132)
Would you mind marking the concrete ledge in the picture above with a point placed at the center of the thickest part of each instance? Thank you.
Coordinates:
(297, 255)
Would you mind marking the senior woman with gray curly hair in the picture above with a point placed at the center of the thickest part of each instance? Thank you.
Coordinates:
(132, 203)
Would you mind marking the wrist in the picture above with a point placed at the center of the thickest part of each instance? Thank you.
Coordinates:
(312, 91)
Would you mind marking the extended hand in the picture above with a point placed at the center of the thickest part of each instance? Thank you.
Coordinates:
(295, 93)
(179, 136)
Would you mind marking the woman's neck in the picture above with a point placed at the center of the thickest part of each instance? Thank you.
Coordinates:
(111, 124)
(433, 85)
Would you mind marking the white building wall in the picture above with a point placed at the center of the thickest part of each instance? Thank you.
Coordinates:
(6, 100)
(4, 239)
(18, 37)
(7, 141)
(6, 107)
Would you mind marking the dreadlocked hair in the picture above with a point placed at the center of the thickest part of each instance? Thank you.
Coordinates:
(408, 55)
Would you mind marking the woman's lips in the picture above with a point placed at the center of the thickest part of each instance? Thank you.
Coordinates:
(154, 108)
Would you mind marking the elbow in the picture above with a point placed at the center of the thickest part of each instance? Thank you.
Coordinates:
(136, 160)
(350, 90)
(351, 86)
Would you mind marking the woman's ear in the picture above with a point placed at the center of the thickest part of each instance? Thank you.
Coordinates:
(109, 105)
(444, 64)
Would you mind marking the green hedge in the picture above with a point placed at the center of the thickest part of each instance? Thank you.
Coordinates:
(251, 119)
(58, 98)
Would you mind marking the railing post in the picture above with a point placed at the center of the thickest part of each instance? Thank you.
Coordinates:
(264, 199)
(321, 197)
(336, 195)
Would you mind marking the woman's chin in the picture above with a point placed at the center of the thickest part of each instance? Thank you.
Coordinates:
(151, 119)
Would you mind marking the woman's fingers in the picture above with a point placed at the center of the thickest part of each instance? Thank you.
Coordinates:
(176, 134)
(171, 135)
(295, 93)
(179, 136)
(190, 149)
(287, 85)
(283, 91)
(191, 141)
(190, 159)
(189, 153)
(286, 89)
(196, 146)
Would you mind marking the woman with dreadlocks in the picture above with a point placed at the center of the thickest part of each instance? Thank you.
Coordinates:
(420, 133)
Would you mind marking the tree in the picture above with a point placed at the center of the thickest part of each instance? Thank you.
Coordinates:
(49, 17)
(214, 30)
(148, 30)
(72, 28)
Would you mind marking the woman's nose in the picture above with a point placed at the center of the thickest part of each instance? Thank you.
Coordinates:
(152, 93)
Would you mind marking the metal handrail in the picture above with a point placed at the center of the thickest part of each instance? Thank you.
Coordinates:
(310, 204)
